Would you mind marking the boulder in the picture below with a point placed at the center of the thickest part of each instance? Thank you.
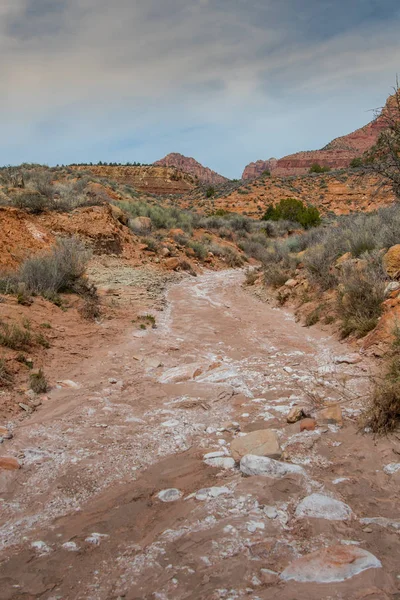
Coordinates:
(119, 214)
(165, 252)
(291, 283)
(331, 415)
(391, 261)
(318, 506)
(172, 263)
(332, 564)
(258, 443)
(141, 224)
(268, 467)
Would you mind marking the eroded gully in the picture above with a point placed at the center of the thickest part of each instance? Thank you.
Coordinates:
(83, 518)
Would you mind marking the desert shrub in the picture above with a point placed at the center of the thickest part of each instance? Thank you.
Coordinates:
(232, 258)
(56, 271)
(361, 240)
(356, 163)
(313, 317)
(151, 244)
(275, 275)
(361, 293)
(382, 414)
(210, 192)
(251, 276)
(6, 377)
(8, 283)
(38, 382)
(290, 209)
(199, 249)
(240, 223)
(255, 250)
(161, 217)
(41, 181)
(31, 201)
(15, 337)
(317, 168)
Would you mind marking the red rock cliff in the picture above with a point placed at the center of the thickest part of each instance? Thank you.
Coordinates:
(337, 154)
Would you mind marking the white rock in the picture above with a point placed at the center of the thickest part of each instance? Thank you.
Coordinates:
(268, 467)
(252, 526)
(224, 462)
(170, 423)
(288, 369)
(382, 522)
(216, 454)
(271, 512)
(68, 383)
(70, 546)
(95, 538)
(212, 492)
(392, 468)
(170, 495)
(350, 359)
(41, 547)
(318, 506)
(340, 480)
(329, 565)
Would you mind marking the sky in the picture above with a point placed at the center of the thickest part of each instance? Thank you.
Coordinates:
(225, 81)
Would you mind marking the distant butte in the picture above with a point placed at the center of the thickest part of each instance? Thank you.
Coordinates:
(192, 167)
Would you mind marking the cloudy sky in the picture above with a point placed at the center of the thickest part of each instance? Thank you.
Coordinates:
(225, 81)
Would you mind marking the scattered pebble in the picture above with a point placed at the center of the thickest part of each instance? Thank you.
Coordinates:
(392, 468)
(95, 538)
(170, 495)
(41, 547)
(70, 547)
(212, 492)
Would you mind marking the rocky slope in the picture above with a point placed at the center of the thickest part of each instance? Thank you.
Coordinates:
(158, 180)
(337, 154)
(192, 167)
(340, 193)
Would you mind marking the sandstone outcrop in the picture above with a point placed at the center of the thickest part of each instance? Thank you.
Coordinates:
(192, 167)
(154, 179)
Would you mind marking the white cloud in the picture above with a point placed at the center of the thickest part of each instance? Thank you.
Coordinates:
(105, 69)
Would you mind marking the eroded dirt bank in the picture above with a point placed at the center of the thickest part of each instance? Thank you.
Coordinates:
(83, 518)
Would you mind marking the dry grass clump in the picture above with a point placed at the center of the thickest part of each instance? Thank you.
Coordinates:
(38, 382)
(15, 337)
(56, 271)
(383, 412)
(275, 275)
(361, 294)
